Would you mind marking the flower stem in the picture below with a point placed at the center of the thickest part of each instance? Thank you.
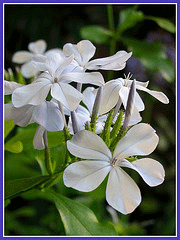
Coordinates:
(48, 160)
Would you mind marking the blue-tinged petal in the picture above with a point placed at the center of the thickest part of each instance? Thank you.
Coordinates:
(141, 139)
(34, 93)
(122, 193)
(86, 176)
(49, 116)
(110, 96)
(38, 141)
(150, 170)
(67, 95)
(88, 145)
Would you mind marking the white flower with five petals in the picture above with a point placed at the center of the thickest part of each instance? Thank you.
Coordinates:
(84, 50)
(119, 88)
(122, 193)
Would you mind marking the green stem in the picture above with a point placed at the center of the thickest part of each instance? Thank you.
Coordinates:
(48, 160)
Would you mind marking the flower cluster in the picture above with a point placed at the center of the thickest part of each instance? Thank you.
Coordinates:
(101, 122)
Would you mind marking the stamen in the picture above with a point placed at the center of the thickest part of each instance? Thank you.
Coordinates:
(128, 77)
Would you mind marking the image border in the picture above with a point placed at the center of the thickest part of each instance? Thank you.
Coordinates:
(177, 107)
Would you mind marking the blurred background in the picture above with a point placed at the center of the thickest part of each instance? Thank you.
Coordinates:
(140, 29)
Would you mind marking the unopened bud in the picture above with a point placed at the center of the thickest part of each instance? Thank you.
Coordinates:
(130, 104)
(97, 101)
(74, 122)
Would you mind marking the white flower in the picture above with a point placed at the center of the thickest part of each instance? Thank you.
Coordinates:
(58, 73)
(24, 57)
(122, 193)
(85, 50)
(120, 87)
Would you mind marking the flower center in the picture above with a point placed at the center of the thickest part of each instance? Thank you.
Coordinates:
(113, 161)
(55, 80)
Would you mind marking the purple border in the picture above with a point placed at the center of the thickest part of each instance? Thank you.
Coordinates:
(1, 102)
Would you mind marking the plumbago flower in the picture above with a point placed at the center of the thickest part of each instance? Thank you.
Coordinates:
(119, 89)
(122, 193)
(84, 50)
(24, 57)
(55, 78)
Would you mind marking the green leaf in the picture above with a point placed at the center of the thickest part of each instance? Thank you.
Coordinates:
(8, 127)
(152, 56)
(96, 34)
(163, 23)
(17, 186)
(128, 18)
(78, 219)
(13, 146)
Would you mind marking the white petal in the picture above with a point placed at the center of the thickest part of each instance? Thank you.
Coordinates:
(110, 96)
(158, 95)
(69, 49)
(22, 57)
(34, 93)
(63, 65)
(37, 47)
(9, 87)
(86, 49)
(29, 69)
(150, 170)
(141, 139)
(49, 116)
(89, 97)
(38, 141)
(138, 83)
(21, 116)
(115, 62)
(88, 145)
(67, 95)
(85, 176)
(124, 92)
(39, 62)
(94, 78)
(122, 193)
